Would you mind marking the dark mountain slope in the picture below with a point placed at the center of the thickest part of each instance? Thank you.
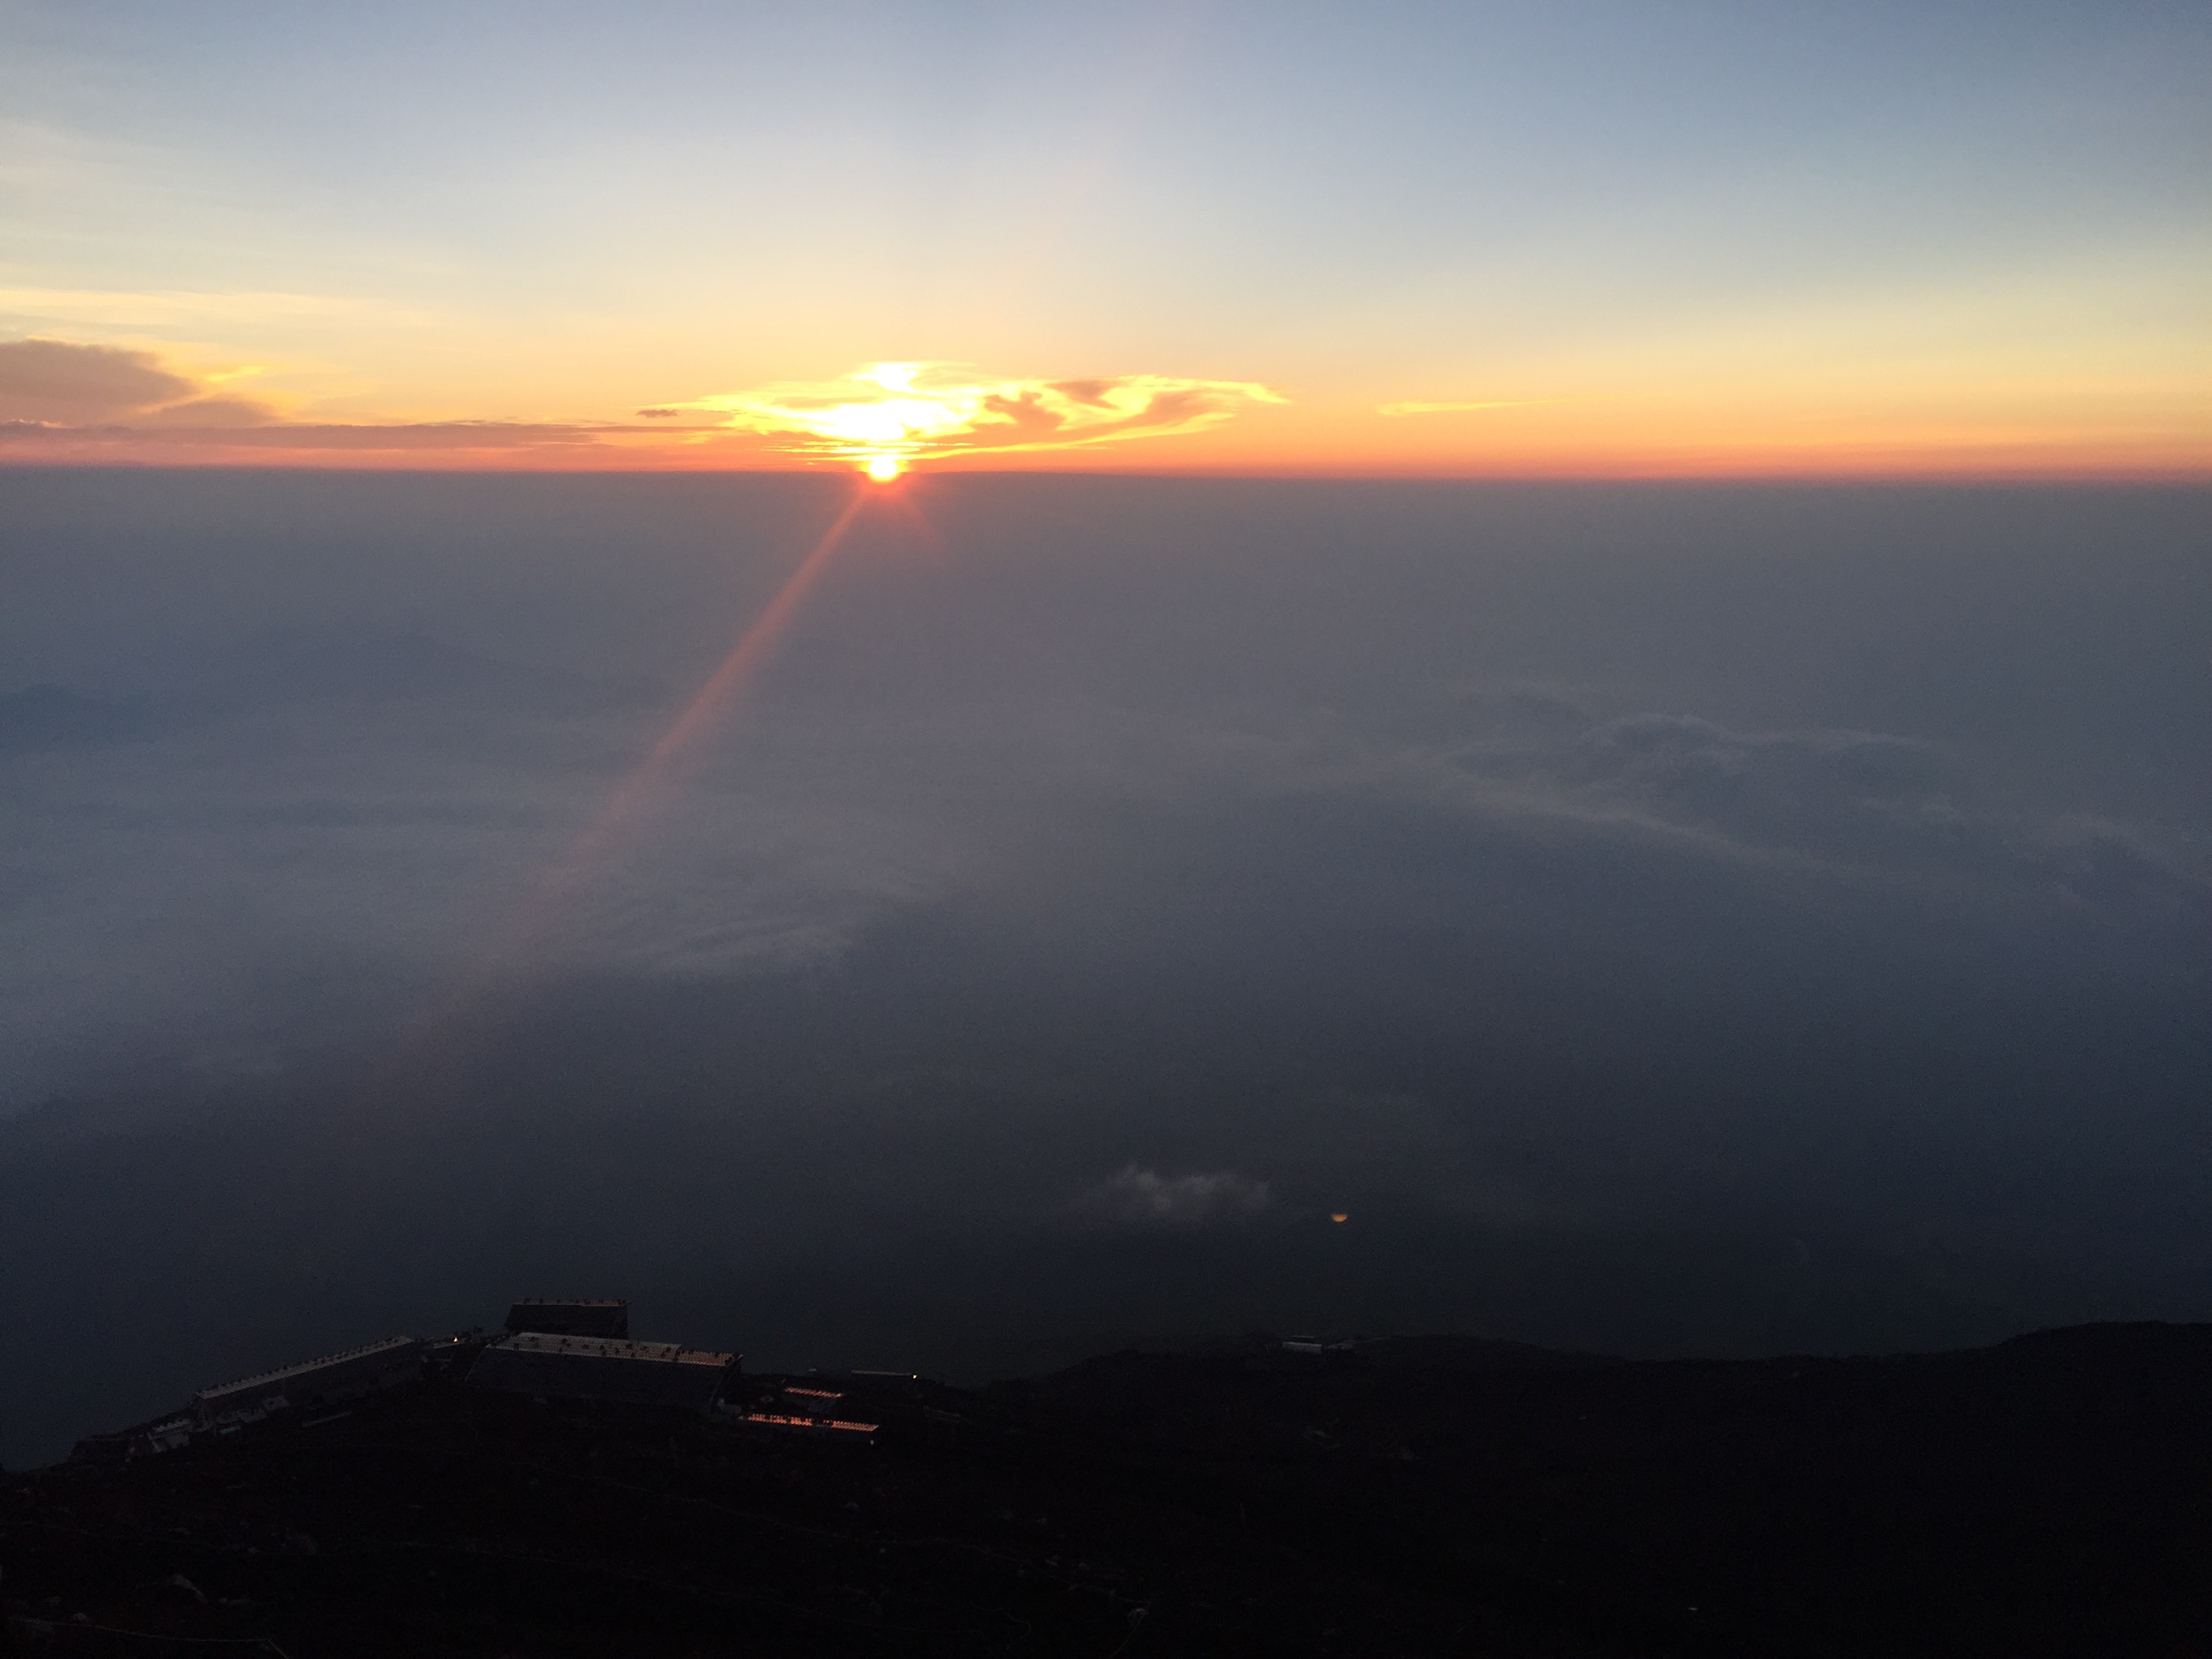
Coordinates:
(2052, 1495)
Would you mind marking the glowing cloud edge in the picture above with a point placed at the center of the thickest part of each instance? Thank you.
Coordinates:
(922, 410)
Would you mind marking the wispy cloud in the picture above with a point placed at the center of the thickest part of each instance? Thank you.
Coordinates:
(58, 397)
(901, 412)
(222, 428)
(64, 398)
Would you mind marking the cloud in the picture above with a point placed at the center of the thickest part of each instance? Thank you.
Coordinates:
(236, 423)
(1774, 788)
(911, 411)
(408, 435)
(1863, 800)
(51, 381)
(59, 395)
(212, 414)
(1149, 870)
(56, 387)
(1139, 1197)
(86, 401)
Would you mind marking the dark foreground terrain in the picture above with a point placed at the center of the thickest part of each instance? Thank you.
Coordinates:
(2052, 1495)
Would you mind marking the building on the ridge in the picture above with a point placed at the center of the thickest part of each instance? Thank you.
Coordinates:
(146, 1439)
(799, 1409)
(552, 1366)
(311, 1385)
(570, 1317)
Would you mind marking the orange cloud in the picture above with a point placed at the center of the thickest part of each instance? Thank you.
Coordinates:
(60, 401)
(63, 401)
(174, 430)
(49, 383)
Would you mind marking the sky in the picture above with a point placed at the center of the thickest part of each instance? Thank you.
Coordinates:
(1404, 239)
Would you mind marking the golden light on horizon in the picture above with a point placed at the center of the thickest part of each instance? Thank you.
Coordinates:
(1339, 1216)
(887, 416)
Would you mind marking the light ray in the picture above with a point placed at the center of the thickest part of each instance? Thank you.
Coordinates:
(652, 777)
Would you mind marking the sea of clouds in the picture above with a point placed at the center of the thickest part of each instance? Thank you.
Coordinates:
(1663, 916)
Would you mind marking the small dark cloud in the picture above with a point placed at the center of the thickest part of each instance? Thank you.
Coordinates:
(58, 382)
(53, 388)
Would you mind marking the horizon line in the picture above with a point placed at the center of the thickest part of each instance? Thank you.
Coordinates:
(2190, 477)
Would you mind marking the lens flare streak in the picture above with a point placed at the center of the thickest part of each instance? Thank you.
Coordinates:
(634, 799)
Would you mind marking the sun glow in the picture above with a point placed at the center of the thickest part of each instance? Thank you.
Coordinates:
(887, 416)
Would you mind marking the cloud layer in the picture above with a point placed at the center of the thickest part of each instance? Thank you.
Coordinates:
(1108, 880)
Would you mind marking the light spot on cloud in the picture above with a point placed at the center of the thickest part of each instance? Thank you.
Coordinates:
(1138, 1197)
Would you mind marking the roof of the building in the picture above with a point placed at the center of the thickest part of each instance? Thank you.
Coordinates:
(610, 1348)
(262, 1378)
(570, 1302)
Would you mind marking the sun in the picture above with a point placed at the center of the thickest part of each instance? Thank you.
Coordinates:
(883, 468)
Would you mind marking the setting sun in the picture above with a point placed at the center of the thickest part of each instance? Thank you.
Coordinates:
(883, 468)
